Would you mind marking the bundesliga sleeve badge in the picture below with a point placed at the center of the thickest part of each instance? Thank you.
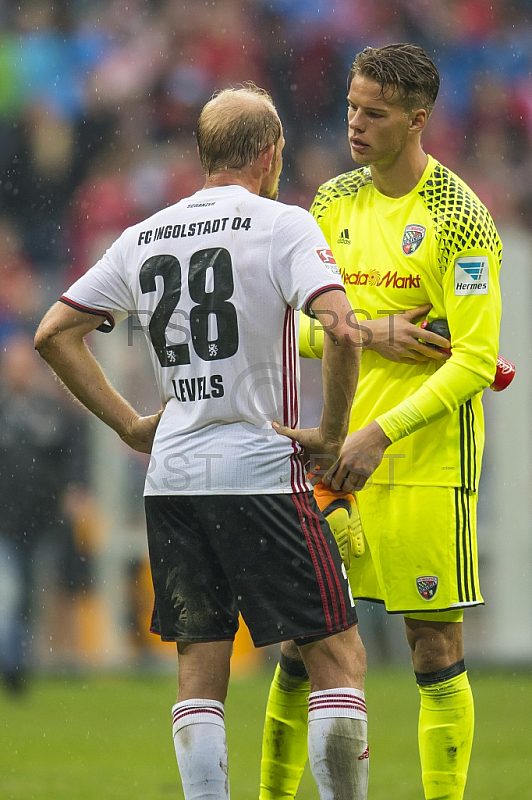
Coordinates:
(328, 259)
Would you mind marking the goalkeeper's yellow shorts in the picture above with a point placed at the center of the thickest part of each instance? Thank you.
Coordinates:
(421, 549)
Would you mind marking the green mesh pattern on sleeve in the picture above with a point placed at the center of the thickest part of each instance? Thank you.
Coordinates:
(461, 221)
(343, 185)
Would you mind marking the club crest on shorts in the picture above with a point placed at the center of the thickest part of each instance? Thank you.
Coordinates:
(412, 237)
(427, 586)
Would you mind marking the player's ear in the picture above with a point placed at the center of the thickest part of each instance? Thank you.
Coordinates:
(418, 120)
(266, 157)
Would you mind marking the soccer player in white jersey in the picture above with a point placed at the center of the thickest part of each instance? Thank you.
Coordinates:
(216, 281)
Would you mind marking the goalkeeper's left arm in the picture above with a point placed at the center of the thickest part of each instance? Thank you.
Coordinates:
(340, 509)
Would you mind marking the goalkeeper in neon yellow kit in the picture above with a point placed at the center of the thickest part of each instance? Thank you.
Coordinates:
(411, 240)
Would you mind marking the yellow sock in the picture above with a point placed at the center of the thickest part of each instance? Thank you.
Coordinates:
(284, 742)
(446, 723)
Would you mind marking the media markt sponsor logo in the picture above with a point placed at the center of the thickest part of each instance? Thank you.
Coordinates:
(427, 586)
(471, 275)
(344, 237)
(328, 259)
(375, 278)
(412, 237)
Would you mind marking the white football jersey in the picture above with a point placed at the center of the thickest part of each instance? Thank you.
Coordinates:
(215, 281)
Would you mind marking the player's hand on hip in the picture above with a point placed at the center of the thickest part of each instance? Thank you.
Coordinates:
(141, 432)
(397, 338)
(361, 455)
(319, 452)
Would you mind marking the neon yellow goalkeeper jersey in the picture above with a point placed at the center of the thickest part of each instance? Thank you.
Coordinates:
(439, 245)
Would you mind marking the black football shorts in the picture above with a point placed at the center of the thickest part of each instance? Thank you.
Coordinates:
(271, 557)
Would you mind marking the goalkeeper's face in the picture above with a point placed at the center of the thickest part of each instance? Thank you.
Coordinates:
(270, 183)
(379, 128)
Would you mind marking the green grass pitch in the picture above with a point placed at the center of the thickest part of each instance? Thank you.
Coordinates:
(109, 736)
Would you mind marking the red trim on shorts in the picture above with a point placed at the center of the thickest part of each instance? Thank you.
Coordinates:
(333, 581)
(328, 584)
(315, 529)
(299, 508)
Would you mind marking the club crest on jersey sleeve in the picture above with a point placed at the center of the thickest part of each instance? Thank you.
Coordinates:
(412, 237)
(328, 259)
(471, 275)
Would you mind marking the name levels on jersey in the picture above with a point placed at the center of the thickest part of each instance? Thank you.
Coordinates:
(191, 389)
(181, 231)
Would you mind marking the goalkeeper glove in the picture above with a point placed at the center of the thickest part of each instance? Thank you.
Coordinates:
(340, 509)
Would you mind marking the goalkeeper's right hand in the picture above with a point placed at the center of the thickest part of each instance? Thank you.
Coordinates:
(340, 509)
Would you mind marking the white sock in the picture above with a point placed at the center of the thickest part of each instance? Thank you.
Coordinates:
(338, 743)
(201, 749)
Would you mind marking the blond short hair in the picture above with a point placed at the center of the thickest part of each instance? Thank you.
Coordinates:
(235, 126)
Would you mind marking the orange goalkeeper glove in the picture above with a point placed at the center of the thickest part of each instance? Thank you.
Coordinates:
(340, 509)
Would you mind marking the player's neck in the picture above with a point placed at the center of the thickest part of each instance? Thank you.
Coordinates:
(234, 177)
(399, 178)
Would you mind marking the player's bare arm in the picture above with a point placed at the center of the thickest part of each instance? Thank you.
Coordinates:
(397, 338)
(361, 455)
(60, 341)
(340, 367)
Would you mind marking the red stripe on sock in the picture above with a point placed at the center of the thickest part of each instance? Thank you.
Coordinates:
(321, 706)
(187, 711)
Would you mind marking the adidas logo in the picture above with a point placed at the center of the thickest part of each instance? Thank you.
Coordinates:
(344, 237)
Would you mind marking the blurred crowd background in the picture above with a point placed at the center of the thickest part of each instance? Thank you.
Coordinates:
(98, 106)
